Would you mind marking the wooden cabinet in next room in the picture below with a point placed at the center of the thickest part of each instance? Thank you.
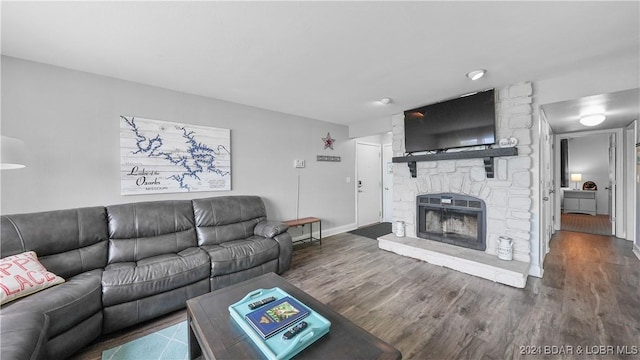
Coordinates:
(579, 201)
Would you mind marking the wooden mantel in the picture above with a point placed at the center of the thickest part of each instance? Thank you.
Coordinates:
(487, 155)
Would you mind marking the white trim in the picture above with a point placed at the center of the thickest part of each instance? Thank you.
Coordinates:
(326, 232)
(339, 230)
(536, 271)
(630, 180)
(387, 217)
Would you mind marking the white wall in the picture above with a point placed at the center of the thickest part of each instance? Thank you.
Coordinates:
(69, 121)
(589, 156)
(370, 127)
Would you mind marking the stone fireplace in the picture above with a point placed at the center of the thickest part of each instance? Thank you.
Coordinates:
(506, 199)
(453, 219)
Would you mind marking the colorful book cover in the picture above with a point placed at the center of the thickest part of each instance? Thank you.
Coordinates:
(276, 316)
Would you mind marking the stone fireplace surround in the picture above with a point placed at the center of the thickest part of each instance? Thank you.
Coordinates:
(508, 196)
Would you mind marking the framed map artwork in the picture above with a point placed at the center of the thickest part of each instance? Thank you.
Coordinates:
(166, 157)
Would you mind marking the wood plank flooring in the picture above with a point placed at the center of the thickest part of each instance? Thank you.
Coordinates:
(589, 297)
(598, 224)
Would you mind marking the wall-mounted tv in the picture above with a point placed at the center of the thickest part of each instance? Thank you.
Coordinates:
(464, 121)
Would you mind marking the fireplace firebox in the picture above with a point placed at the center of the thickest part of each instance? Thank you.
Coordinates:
(453, 219)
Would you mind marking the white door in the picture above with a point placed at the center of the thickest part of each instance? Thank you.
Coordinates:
(547, 193)
(612, 182)
(387, 183)
(368, 183)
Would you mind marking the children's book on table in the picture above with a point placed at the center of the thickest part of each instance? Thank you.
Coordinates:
(279, 324)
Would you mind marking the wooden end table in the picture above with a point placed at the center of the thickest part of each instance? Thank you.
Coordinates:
(310, 221)
(213, 334)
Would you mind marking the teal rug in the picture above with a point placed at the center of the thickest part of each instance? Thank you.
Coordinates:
(170, 344)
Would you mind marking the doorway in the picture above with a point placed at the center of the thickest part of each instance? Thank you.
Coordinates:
(587, 200)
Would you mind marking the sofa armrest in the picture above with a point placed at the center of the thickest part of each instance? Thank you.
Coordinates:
(286, 251)
(269, 229)
(24, 335)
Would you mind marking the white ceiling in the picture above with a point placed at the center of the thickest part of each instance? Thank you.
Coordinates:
(324, 60)
(620, 108)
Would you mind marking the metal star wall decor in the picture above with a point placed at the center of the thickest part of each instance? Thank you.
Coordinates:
(328, 141)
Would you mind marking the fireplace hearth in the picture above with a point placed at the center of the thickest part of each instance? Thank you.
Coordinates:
(453, 219)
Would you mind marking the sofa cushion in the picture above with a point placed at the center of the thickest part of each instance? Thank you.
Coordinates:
(143, 230)
(128, 281)
(23, 335)
(227, 218)
(68, 242)
(66, 304)
(238, 255)
(23, 274)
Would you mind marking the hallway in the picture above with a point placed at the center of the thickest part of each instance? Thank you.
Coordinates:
(584, 223)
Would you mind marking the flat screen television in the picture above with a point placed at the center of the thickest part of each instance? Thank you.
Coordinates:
(465, 121)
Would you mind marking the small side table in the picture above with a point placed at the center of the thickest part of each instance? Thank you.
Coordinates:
(305, 221)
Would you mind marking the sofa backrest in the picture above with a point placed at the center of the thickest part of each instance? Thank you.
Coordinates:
(141, 230)
(226, 218)
(67, 242)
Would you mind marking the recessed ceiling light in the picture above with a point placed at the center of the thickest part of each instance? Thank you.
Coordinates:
(386, 101)
(592, 120)
(476, 74)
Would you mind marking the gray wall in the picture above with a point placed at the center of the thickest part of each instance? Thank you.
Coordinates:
(69, 121)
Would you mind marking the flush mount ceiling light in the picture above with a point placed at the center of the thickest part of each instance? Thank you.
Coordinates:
(476, 74)
(592, 120)
(386, 101)
(12, 153)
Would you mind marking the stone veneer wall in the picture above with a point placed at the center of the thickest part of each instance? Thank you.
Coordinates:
(508, 195)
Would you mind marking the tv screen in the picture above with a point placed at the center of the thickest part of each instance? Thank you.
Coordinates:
(464, 121)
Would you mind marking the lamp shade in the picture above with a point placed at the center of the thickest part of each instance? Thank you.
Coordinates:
(12, 153)
(576, 177)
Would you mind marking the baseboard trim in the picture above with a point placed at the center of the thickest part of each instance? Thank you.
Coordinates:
(636, 250)
(339, 230)
(328, 232)
(536, 271)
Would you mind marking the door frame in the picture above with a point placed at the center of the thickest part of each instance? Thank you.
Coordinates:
(379, 187)
(546, 227)
(619, 174)
(387, 216)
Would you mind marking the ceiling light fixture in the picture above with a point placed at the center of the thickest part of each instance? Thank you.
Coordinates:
(476, 74)
(592, 120)
(12, 153)
(386, 101)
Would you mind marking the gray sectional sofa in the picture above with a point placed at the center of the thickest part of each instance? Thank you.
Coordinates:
(125, 264)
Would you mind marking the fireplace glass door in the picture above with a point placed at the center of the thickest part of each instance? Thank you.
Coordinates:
(452, 226)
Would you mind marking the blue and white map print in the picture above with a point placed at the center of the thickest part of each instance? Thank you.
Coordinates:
(165, 157)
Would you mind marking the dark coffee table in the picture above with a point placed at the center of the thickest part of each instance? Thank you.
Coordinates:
(213, 334)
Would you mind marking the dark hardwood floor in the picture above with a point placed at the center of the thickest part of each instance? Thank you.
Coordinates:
(588, 298)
